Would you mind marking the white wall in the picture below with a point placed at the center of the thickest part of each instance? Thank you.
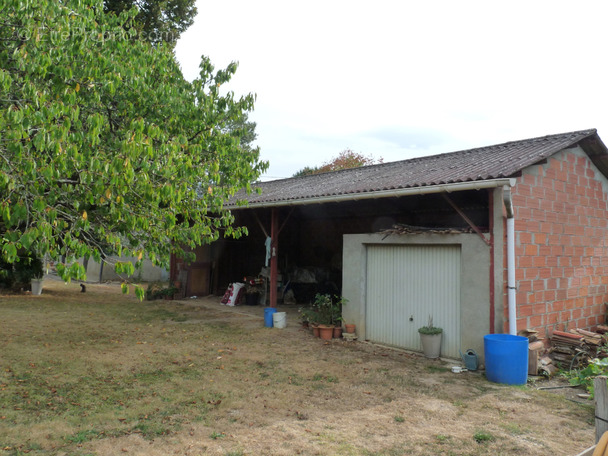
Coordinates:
(475, 281)
(148, 272)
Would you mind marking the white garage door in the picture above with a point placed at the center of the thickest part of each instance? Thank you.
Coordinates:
(406, 284)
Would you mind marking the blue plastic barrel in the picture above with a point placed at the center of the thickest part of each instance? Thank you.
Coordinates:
(506, 358)
(268, 311)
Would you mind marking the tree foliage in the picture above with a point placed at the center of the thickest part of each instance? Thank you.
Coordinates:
(104, 146)
(157, 21)
(244, 129)
(18, 275)
(345, 160)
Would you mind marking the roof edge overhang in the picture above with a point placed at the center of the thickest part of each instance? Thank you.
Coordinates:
(595, 148)
(393, 193)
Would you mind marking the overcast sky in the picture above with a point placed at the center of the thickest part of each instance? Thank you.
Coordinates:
(400, 79)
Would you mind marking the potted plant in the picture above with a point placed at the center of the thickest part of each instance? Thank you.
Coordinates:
(324, 315)
(169, 292)
(430, 338)
(328, 314)
(33, 271)
(307, 316)
(336, 315)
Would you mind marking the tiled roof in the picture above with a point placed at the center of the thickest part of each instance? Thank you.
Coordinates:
(483, 163)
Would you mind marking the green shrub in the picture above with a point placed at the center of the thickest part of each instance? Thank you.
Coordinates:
(19, 274)
(585, 377)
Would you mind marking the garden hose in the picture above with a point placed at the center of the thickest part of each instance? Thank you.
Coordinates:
(574, 359)
(601, 448)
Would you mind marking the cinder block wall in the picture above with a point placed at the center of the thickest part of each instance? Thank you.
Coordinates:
(561, 244)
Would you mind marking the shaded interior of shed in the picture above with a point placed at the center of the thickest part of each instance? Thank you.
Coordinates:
(310, 239)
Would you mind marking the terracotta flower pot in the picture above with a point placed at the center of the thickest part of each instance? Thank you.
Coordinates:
(337, 332)
(326, 332)
(315, 330)
(349, 329)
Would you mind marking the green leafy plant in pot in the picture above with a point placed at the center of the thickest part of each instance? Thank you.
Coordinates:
(169, 292)
(307, 316)
(430, 338)
(327, 313)
(323, 310)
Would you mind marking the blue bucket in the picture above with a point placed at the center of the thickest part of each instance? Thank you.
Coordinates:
(268, 311)
(506, 358)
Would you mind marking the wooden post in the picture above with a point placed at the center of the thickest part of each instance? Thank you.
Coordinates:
(533, 349)
(601, 406)
(274, 252)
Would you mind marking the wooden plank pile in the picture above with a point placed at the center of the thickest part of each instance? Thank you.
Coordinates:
(565, 346)
(574, 348)
(566, 350)
(401, 228)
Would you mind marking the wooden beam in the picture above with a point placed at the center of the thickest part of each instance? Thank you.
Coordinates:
(274, 252)
(257, 219)
(286, 219)
(466, 219)
(601, 406)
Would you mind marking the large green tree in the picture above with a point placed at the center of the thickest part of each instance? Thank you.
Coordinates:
(157, 20)
(104, 146)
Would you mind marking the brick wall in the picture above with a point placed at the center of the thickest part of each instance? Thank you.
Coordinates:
(561, 244)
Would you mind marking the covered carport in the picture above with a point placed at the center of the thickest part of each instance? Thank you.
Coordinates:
(309, 234)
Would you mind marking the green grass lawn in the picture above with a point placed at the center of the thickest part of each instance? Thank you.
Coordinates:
(88, 366)
(101, 373)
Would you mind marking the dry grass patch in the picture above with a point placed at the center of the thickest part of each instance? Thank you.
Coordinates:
(102, 373)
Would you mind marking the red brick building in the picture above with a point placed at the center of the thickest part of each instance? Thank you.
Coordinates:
(432, 235)
(561, 225)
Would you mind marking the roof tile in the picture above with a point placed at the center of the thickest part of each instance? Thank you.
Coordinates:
(491, 162)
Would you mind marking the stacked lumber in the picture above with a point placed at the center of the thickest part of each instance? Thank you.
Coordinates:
(567, 340)
(591, 338)
(566, 346)
(577, 346)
